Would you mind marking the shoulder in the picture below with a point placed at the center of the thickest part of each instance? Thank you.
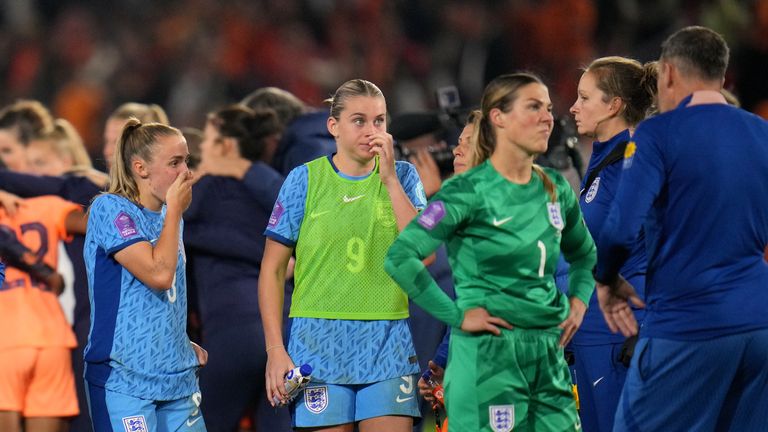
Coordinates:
(299, 174)
(557, 178)
(405, 169)
(106, 204)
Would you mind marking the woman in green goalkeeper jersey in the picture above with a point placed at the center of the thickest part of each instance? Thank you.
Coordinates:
(504, 223)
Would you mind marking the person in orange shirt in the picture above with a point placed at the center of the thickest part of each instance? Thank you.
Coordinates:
(36, 378)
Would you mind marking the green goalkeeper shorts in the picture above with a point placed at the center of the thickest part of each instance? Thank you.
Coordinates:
(517, 381)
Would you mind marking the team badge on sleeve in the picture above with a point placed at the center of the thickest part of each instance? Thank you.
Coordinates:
(432, 215)
(629, 153)
(555, 217)
(316, 399)
(592, 192)
(502, 417)
(277, 213)
(135, 424)
(125, 225)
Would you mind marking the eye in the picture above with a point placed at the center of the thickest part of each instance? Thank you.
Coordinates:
(358, 121)
(378, 122)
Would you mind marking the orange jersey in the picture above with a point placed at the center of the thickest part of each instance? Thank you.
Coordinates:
(30, 314)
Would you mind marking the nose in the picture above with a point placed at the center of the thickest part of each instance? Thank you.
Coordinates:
(456, 150)
(573, 109)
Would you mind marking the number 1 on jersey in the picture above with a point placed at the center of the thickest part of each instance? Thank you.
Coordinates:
(543, 260)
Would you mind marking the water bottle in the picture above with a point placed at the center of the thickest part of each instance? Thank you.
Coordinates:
(439, 402)
(295, 381)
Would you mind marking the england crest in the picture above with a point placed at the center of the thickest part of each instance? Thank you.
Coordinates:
(502, 417)
(592, 192)
(316, 399)
(555, 217)
(135, 424)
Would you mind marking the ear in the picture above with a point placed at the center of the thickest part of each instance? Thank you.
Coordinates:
(333, 127)
(139, 168)
(616, 105)
(496, 117)
(667, 74)
(229, 146)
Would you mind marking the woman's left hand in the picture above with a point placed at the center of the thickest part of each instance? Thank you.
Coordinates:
(202, 355)
(573, 322)
(382, 145)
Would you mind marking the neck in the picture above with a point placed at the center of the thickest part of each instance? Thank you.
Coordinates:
(514, 167)
(610, 129)
(148, 200)
(688, 87)
(351, 166)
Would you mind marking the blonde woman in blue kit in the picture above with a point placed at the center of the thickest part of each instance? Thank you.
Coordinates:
(340, 214)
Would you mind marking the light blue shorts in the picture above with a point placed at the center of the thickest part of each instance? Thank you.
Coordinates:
(332, 404)
(112, 411)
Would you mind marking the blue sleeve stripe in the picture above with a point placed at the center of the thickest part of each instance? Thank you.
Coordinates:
(280, 239)
(107, 287)
(121, 246)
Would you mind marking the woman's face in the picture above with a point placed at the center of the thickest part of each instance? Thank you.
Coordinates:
(111, 134)
(464, 151)
(528, 122)
(590, 108)
(169, 159)
(12, 152)
(211, 146)
(361, 118)
(43, 160)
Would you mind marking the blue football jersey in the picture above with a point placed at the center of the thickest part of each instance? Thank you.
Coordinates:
(138, 343)
(696, 180)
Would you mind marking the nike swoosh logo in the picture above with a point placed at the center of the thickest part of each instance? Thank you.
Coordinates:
(350, 199)
(191, 423)
(401, 400)
(315, 214)
(597, 381)
(500, 222)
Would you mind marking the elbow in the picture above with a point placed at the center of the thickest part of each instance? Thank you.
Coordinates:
(162, 280)
(389, 265)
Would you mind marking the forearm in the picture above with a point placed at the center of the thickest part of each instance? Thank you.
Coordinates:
(582, 260)
(271, 298)
(166, 250)
(407, 269)
(401, 206)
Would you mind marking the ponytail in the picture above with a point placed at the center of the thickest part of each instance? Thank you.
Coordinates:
(549, 185)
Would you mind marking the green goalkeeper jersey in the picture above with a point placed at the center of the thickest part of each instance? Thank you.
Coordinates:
(503, 241)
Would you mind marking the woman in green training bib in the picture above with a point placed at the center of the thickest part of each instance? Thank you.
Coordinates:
(340, 213)
(504, 223)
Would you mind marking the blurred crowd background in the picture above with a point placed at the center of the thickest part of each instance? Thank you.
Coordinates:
(84, 58)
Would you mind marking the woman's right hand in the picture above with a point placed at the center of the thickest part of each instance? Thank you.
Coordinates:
(179, 194)
(425, 390)
(278, 364)
(478, 320)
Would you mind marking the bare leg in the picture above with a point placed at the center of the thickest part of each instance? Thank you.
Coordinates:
(45, 424)
(10, 421)
(387, 423)
(348, 427)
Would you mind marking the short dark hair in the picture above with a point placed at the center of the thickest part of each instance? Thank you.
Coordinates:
(697, 50)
